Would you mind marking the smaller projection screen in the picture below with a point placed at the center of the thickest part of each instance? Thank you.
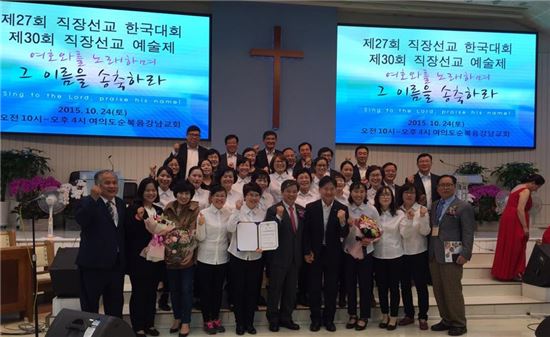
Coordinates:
(72, 70)
(408, 86)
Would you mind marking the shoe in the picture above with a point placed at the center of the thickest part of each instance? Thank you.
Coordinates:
(352, 322)
(330, 327)
(251, 330)
(239, 330)
(210, 328)
(423, 324)
(384, 323)
(139, 334)
(406, 321)
(457, 331)
(163, 303)
(273, 327)
(180, 334)
(362, 326)
(290, 325)
(174, 330)
(219, 327)
(440, 327)
(152, 331)
(315, 326)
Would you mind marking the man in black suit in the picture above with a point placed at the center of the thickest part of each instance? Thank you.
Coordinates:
(328, 154)
(190, 153)
(390, 172)
(284, 262)
(424, 181)
(263, 157)
(360, 168)
(325, 224)
(305, 158)
(101, 254)
(231, 156)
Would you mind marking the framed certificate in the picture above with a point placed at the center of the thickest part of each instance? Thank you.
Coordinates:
(254, 235)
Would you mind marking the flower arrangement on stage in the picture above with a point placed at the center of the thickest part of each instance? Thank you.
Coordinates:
(179, 243)
(483, 200)
(72, 195)
(368, 228)
(25, 190)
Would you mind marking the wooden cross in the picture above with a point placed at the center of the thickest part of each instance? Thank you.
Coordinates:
(277, 53)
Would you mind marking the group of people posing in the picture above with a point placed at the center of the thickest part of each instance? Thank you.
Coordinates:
(315, 207)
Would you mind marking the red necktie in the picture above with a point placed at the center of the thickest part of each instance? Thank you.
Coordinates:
(292, 220)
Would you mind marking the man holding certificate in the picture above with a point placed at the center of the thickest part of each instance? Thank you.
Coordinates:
(325, 226)
(284, 262)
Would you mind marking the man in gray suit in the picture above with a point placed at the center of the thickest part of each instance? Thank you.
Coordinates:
(284, 262)
(452, 237)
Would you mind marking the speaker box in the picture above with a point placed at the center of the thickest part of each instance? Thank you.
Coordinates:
(543, 330)
(72, 323)
(538, 269)
(64, 273)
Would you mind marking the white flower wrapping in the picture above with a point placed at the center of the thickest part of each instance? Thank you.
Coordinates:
(158, 226)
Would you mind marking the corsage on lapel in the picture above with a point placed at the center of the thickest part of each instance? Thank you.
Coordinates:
(451, 211)
(301, 213)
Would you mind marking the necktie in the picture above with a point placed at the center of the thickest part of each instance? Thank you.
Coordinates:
(439, 209)
(292, 219)
(111, 210)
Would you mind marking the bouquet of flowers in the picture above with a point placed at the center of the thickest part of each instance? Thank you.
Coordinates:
(179, 243)
(158, 226)
(363, 228)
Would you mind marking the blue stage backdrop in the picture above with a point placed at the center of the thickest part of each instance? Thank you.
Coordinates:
(406, 86)
(104, 72)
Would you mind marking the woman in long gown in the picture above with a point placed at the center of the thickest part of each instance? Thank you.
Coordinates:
(513, 231)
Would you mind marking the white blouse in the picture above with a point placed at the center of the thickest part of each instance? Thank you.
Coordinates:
(232, 198)
(245, 214)
(201, 196)
(390, 245)
(305, 198)
(355, 212)
(213, 236)
(415, 240)
(275, 184)
(165, 197)
(266, 200)
(371, 193)
(238, 186)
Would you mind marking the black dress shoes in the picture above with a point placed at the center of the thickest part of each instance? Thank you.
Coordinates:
(290, 325)
(315, 326)
(456, 331)
(251, 330)
(330, 327)
(273, 327)
(239, 330)
(152, 332)
(440, 327)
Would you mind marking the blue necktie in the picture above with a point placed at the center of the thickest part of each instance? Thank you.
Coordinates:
(439, 209)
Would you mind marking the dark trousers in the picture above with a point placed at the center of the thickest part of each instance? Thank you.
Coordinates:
(324, 273)
(144, 296)
(210, 280)
(245, 289)
(388, 274)
(342, 284)
(359, 272)
(181, 292)
(108, 284)
(415, 267)
(282, 289)
(303, 281)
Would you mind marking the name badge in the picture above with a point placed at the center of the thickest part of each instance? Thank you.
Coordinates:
(435, 231)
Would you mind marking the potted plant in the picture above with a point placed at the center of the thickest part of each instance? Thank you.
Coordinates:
(511, 174)
(25, 163)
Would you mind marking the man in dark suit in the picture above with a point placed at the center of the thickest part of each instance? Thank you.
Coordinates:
(263, 157)
(190, 153)
(305, 158)
(360, 168)
(101, 254)
(424, 181)
(451, 242)
(231, 156)
(325, 224)
(284, 262)
(390, 172)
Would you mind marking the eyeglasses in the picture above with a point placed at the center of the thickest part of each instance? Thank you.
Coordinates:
(446, 185)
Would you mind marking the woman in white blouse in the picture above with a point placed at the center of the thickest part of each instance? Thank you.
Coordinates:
(320, 169)
(346, 169)
(341, 196)
(278, 166)
(388, 253)
(375, 175)
(201, 195)
(305, 194)
(261, 178)
(212, 258)
(245, 267)
(228, 177)
(415, 258)
(359, 270)
(164, 179)
(243, 174)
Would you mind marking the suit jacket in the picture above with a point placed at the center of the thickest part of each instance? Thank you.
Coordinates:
(182, 158)
(223, 161)
(101, 241)
(299, 166)
(457, 224)
(397, 197)
(289, 251)
(261, 159)
(356, 175)
(138, 237)
(419, 186)
(314, 229)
